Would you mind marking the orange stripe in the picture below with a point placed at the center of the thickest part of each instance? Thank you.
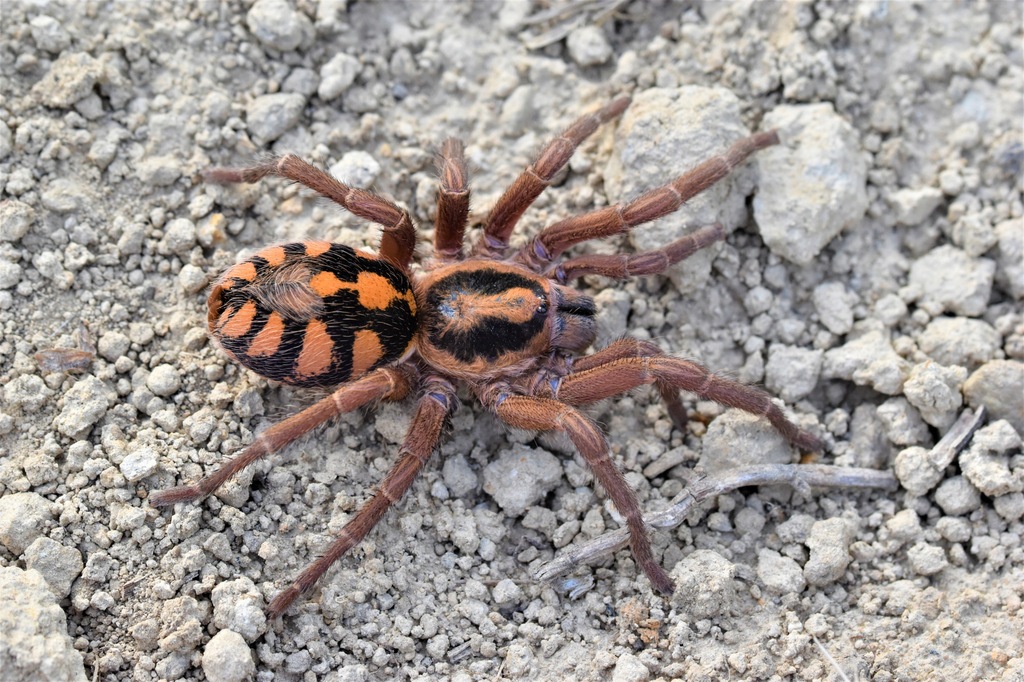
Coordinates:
(274, 255)
(375, 291)
(316, 247)
(240, 321)
(246, 271)
(269, 338)
(315, 356)
(366, 351)
(327, 284)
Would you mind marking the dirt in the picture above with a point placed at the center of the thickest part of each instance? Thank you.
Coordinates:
(871, 278)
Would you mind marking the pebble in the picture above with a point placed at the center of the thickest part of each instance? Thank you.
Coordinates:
(935, 391)
(278, 25)
(159, 171)
(956, 496)
(66, 195)
(10, 274)
(904, 525)
(356, 169)
(813, 185)
(179, 238)
(113, 345)
(337, 76)
(59, 565)
(779, 574)
(227, 658)
(507, 592)
(903, 424)
(588, 46)
(1010, 274)
(16, 218)
(834, 305)
(518, 112)
(926, 559)
(139, 464)
(792, 372)
(996, 385)
(85, 403)
(37, 644)
(867, 360)
(948, 280)
(959, 341)
(915, 471)
(164, 380)
(986, 462)
(28, 392)
(69, 79)
(629, 668)
(1010, 507)
(890, 310)
(738, 438)
(520, 477)
(705, 587)
(664, 132)
(6, 146)
(912, 206)
(829, 544)
(238, 606)
(459, 477)
(48, 34)
(268, 117)
(192, 279)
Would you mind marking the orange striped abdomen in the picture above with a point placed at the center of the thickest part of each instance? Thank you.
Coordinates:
(313, 313)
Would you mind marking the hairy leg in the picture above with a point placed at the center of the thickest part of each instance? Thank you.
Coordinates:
(621, 266)
(387, 383)
(399, 238)
(632, 348)
(604, 222)
(528, 186)
(452, 201)
(545, 414)
(597, 382)
(420, 441)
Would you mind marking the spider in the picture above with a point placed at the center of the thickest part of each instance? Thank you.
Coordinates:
(503, 322)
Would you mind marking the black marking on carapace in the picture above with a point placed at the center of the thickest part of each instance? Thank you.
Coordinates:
(341, 312)
(491, 336)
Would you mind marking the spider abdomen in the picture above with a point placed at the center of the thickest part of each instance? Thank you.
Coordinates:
(313, 313)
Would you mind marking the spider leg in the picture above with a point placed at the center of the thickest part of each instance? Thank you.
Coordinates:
(387, 383)
(620, 218)
(452, 201)
(546, 414)
(600, 381)
(622, 265)
(531, 182)
(629, 347)
(420, 441)
(399, 237)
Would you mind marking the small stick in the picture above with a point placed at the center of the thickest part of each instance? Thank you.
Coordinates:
(794, 475)
(956, 439)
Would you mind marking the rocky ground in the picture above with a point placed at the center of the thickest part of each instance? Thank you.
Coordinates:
(872, 280)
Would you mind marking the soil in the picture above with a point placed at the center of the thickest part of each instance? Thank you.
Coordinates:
(871, 279)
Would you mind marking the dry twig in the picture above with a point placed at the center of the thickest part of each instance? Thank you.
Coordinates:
(799, 476)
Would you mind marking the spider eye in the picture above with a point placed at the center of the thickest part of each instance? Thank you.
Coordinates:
(542, 309)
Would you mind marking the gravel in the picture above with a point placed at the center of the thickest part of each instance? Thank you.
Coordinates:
(871, 280)
(36, 641)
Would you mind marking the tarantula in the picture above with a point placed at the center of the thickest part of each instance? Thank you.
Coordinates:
(315, 313)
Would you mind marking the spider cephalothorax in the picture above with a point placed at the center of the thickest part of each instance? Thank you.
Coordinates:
(319, 314)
